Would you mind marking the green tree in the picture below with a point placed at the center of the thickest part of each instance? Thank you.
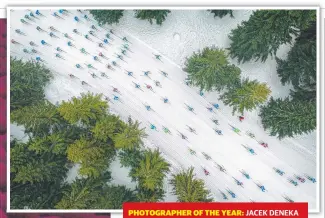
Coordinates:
(131, 157)
(87, 109)
(265, 31)
(246, 96)
(107, 16)
(83, 193)
(299, 68)
(27, 83)
(113, 197)
(93, 156)
(147, 195)
(130, 137)
(285, 118)
(108, 127)
(152, 170)
(29, 167)
(189, 189)
(222, 13)
(38, 119)
(150, 15)
(210, 70)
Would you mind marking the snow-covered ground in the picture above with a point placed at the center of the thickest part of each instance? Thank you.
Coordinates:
(181, 34)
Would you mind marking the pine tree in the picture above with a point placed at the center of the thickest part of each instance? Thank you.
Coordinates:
(27, 83)
(285, 118)
(265, 31)
(113, 197)
(55, 143)
(150, 15)
(131, 158)
(152, 170)
(130, 137)
(86, 109)
(93, 156)
(147, 195)
(299, 68)
(107, 16)
(108, 127)
(246, 96)
(222, 13)
(83, 193)
(38, 119)
(29, 167)
(210, 70)
(189, 189)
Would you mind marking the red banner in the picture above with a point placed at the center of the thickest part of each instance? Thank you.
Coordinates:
(131, 210)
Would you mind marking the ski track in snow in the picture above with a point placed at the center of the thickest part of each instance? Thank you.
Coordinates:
(288, 155)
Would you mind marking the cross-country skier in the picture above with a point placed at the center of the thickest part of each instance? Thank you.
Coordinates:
(123, 51)
(87, 37)
(158, 57)
(166, 130)
(215, 121)
(238, 182)
(39, 59)
(129, 73)
(224, 196)
(210, 109)
(192, 130)
(153, 127)
(84, 51)
(116, 90)
(218, 131)
(278, 171)
(157, 83)
(94, 28)
(59, 56)
(233, 195)
(206, 156)
(265, 145)
(165, 100)
(164, 73)
(66, 35)
(39, 13)
(250, 150)
(55, 14)
(32, 15)
(125, 39)
(116, 98)
(28, 17)
(183, 136)
(40, 29)
(53, 29)
(245, 174)
(76, 19)
(15, 42)
(192, 151)
(189, 108)
(301, 179)
(33, 44)
(236, 130)
(84, 83)
(312, 179)
(206, 172)
(20, 32)
(78, 66)
(76, 32)
(24, 22)
(106, 41)
(60, 49)
(262, 187)
(93, 75)
(96, 58)
(109, 66)
(87, 18)
(53, 35)
(107, 35)
(241, 118)
(71, 75)
(287, 199)
(114, 63)
(148, 107)
(101, 45)
(102, 55)
(201, 93)
(146, 73)
(293, 182)
(149, 87)
(71, 45)
(103, 74)
(221, 168)
(35, 51)
(26, 51)
(90, 66)
(216, 106)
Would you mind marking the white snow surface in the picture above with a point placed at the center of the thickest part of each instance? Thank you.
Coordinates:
(181, 34)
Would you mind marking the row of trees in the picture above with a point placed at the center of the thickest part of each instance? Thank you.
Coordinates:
(81, 132)
(159, 16)
(257, 39)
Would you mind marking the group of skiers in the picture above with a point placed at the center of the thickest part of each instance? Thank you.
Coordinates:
(61, 13)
